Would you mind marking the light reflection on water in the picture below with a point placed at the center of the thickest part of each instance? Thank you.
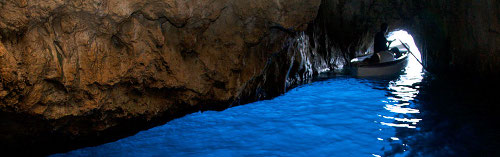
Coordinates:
(337, 117)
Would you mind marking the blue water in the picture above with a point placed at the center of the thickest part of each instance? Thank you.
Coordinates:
(408, 115)
(342, 116)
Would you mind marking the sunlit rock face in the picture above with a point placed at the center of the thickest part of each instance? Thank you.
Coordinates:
(76, 72)
(455, 37)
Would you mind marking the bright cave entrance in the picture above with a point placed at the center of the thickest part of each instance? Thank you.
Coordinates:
(415, 58)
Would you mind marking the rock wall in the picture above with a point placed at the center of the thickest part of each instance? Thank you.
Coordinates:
(457, 37)
(460, 37)
(78, 73)
(83, 72)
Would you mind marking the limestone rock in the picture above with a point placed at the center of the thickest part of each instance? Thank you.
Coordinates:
(89, 71)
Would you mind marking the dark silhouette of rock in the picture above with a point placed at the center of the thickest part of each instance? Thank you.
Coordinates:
(455, 37)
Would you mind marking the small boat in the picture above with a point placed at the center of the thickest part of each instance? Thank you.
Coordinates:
(388, 65)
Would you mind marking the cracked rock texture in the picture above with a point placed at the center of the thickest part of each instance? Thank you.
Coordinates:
(81, 71)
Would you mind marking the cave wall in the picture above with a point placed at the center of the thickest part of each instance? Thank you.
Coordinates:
(460, 37)
(78, 73)
(456, 37)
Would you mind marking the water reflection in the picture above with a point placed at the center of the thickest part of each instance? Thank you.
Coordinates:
(336, 117)
(457, 118)
(411, 115)
(400, 100)
(441, 117)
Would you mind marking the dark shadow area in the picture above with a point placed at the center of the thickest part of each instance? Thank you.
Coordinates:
(459, 118)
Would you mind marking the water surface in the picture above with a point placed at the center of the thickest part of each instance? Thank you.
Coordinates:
(407, 115)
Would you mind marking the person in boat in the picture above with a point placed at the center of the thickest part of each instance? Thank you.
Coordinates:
(381, 44)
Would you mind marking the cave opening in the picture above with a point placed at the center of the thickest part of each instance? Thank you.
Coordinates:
(415, 58)
(342, 58)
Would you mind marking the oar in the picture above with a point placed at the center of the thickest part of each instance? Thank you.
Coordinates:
(413, 54)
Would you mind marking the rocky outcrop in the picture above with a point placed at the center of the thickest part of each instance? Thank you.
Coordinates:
(86, 72)
(455, 37)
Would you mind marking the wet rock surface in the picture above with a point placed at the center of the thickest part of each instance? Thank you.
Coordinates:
(80, 73)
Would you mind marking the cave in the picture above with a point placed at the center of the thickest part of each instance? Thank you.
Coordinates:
(436, 33)
(88, 74)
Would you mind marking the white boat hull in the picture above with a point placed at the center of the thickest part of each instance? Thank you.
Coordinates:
(381, 69)
(367, 71)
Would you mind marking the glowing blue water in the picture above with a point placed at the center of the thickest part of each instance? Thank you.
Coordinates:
(342, 116)
(336, 117)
